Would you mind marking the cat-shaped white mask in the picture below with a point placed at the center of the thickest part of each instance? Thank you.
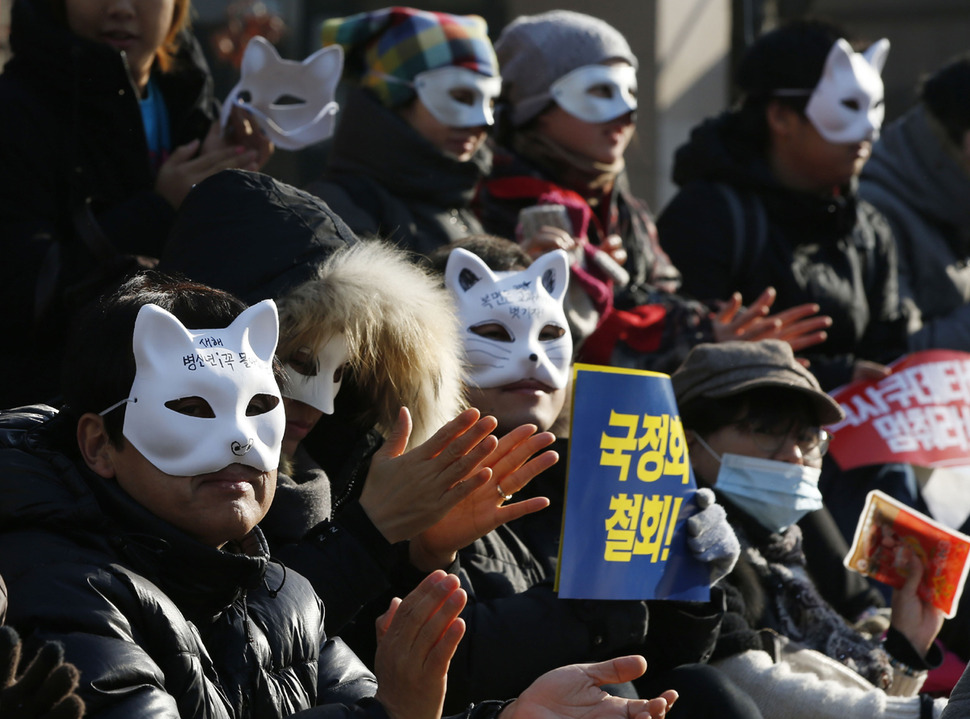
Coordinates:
(229, 370)
(846, 105)
(319, 390)
(515, 328)
(309, 115)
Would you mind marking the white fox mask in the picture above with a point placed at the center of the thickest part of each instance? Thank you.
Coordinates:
(514, 326)
(309, 113)
(225, 373)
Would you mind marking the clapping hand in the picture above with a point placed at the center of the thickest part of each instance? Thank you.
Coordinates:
(573, 692)
(798, 326)
(408, 491)
(485, 509)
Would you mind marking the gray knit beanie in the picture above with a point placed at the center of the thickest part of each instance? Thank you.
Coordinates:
(536, 50)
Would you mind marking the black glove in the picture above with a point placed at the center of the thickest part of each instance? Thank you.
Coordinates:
(44, 690)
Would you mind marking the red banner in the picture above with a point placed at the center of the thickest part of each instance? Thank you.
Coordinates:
(920, 414)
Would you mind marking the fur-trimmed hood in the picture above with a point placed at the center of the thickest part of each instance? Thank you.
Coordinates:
(259, 238)
(401, 328)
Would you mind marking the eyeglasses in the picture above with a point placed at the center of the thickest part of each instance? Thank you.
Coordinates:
(813, 442)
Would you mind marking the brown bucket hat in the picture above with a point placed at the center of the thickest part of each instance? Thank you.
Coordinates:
(729, 368)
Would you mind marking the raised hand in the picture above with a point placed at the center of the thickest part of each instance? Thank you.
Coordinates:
(485, 509)
(407, 492)
(416, 639)
(710, 536)
(798, 326)
(547, 239)
(244, 131)
(867, 370)
(44, 689)
(191, 163)
(573, 692)
(914, 617)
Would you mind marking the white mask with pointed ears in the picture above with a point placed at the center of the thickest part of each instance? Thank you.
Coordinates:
(318, 384)
(514, 326)
(309, 114)
(235, 414)
(847, 104)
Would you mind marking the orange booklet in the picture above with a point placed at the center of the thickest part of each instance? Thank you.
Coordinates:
(885, 526)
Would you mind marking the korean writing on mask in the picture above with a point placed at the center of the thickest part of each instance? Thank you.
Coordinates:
(226, 359)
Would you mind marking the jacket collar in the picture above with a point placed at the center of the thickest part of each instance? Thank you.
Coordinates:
(374, 142)
(201, 580)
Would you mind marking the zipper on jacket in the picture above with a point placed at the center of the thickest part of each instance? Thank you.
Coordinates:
(131, 78)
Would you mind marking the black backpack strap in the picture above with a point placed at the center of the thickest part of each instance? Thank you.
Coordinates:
(745, 210)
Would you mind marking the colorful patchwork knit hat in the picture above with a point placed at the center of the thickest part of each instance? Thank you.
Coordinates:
(400, 43)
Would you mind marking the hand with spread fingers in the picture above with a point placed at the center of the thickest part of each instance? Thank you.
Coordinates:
(407, 492)
(416, 639)
(799, 326)
(45, 689)
(573, 692)
(513, 466)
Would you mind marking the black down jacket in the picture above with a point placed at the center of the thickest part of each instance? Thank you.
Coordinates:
(734, 227)
(158, 624)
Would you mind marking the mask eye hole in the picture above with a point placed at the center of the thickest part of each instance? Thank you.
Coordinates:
(605, 91)
(245, 96)
(851, 104)
(289, 100)
(462, 95)
(551, 332)
(261, 404)
(338, 374)
(492, 331)
(304, 362)
(191, 407)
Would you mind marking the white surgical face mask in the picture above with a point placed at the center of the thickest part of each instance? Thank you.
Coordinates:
(227, 369)
(309, 114)
(847, 104)
(597, 93)
(777, 494)
(319, 390)
(533, 341)
(437, 89)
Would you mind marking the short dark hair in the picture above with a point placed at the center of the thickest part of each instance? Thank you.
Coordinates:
(99, 367)
(705, 415)
(498, 253)
(946, 94)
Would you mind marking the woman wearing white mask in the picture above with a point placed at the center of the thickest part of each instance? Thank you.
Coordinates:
(409, 147)
(753, 418)
(566, 117)
(768, 196)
